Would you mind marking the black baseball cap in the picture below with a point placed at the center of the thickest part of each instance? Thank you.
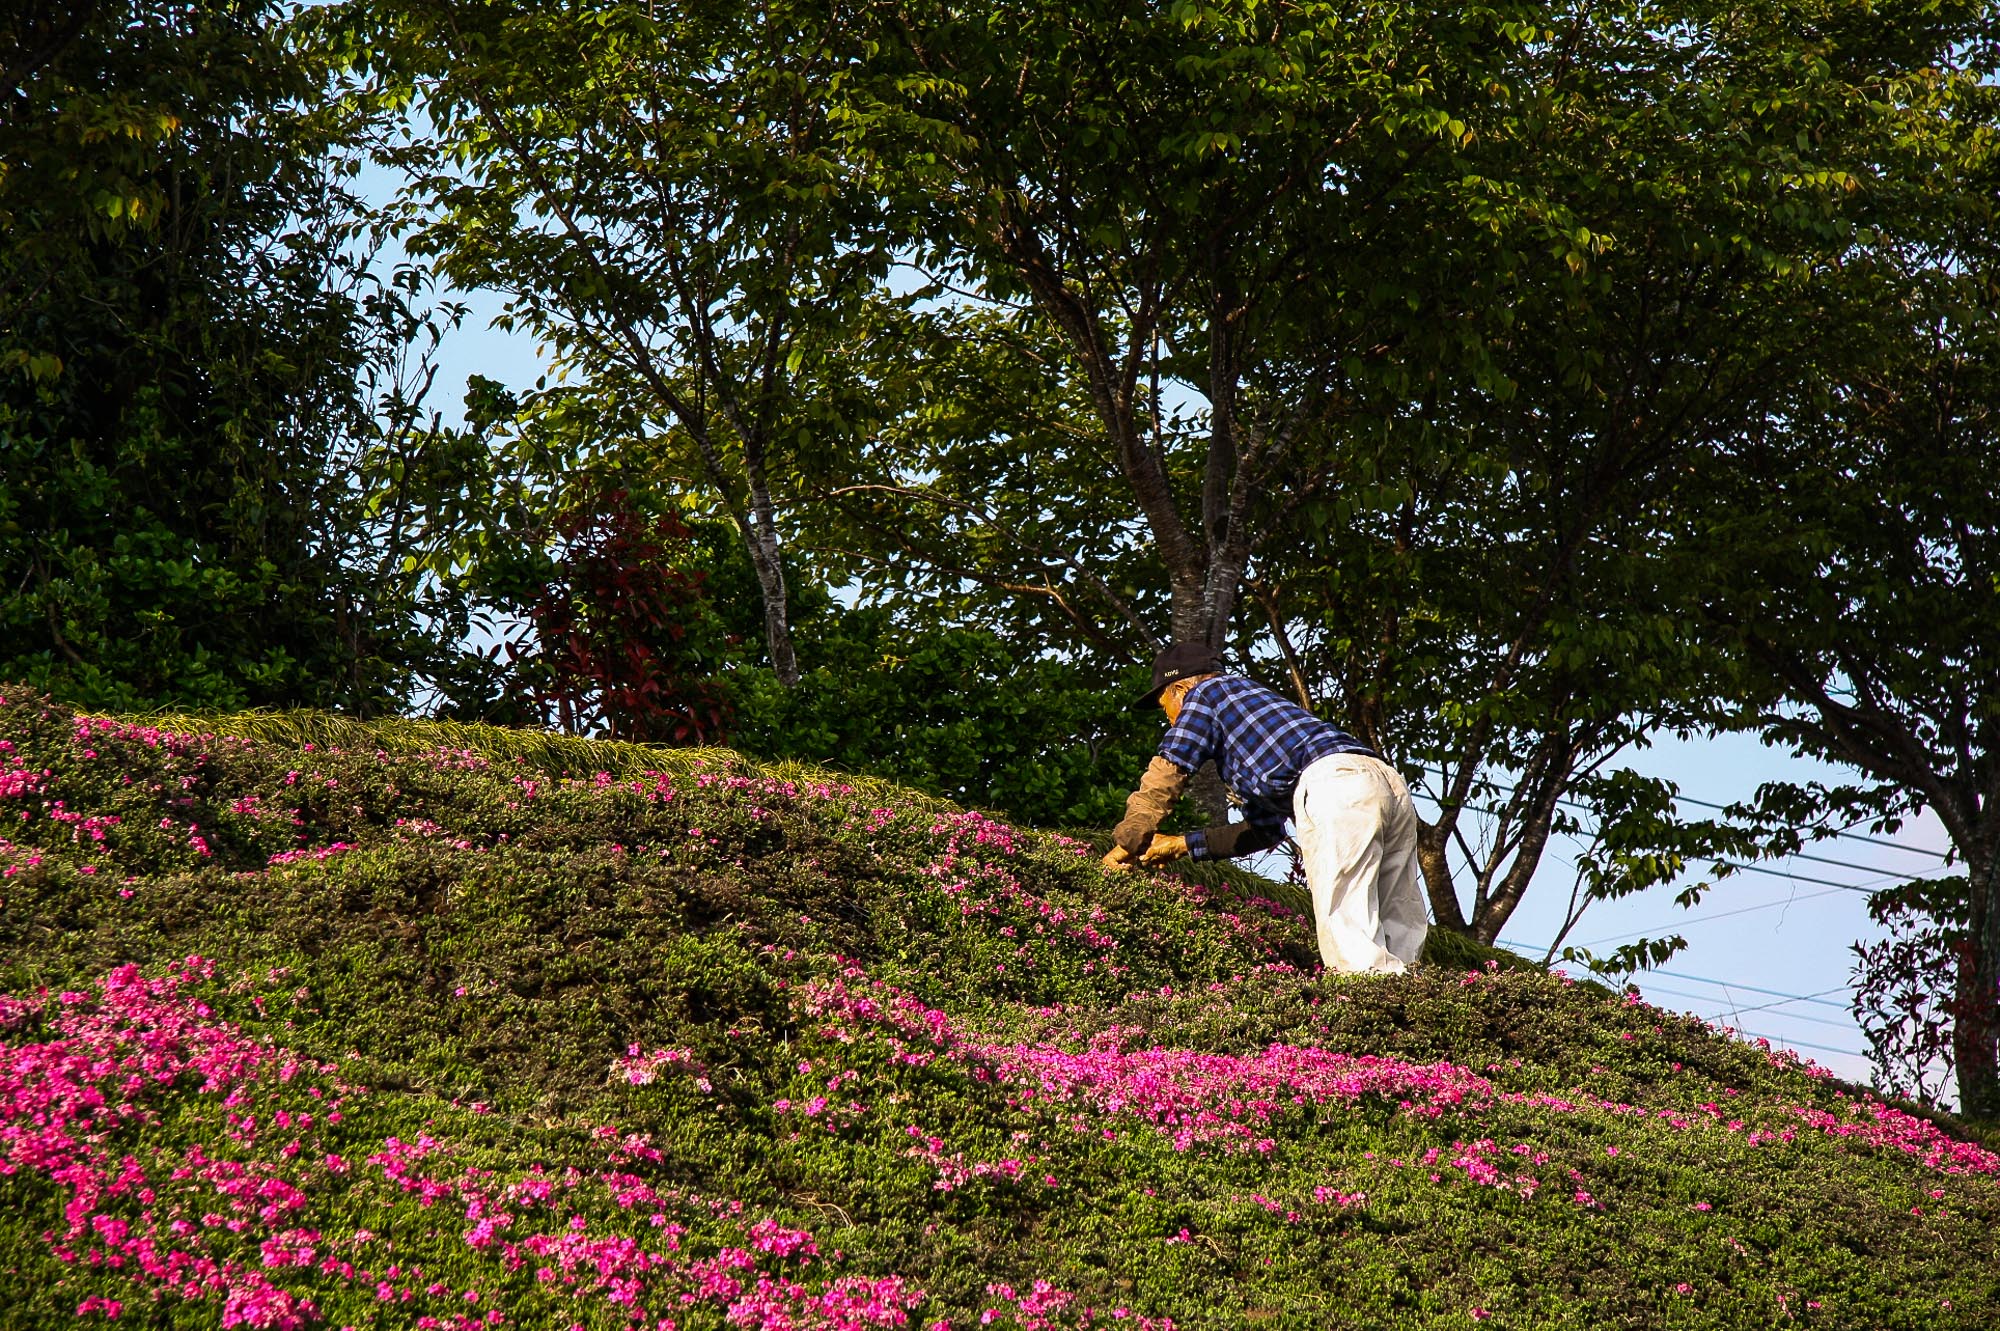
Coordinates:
(1178, 662)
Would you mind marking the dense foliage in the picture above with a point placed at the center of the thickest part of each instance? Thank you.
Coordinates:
(647, 628)
(1875, 651)
(430, 1034)
(958, 713)
(189, 337)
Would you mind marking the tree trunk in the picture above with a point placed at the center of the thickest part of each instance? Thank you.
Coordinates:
(760, 533)
(1532, 809)
(1191, 623)
(1223, 593)
(1490, 916)
(1975, 1035)
(1432, 839)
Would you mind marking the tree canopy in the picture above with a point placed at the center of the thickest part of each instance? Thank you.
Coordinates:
(193, 353)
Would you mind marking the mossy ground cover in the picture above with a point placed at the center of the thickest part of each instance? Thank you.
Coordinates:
(394, 1028)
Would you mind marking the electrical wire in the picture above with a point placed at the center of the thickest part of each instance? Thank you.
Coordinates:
(1890, 875)
(1785, 1043)
(1708, 919)
(1881, 877)
(1781, 1040)
(1781, 1002)
(1821, 882)
(1735, 1012)
(1843, 834)
(1725, 984)
(1821, 859)
(1753, 989)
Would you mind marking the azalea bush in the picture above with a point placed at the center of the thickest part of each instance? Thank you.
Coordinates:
(460, 1035)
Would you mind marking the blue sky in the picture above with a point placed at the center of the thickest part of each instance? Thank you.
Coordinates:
(1754, 932)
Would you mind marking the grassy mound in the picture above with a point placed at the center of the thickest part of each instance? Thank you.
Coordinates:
(327, 1024)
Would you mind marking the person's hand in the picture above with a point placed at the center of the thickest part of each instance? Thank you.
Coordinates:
(1117, 861)
(1164, 849)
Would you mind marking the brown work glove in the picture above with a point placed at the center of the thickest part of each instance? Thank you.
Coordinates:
(1146, 806)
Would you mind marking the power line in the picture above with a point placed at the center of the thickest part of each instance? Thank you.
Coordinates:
(1844, 864)
(1720, 984)
(1817, 882)
(1752, 868)
(1784, 1043)
(1844, 835)
(1781, 997)
(1881, 875)
(1708, 919)
(1701, 919)
(1734, 1011)
(1781, 1002)
(1751, 988)
(1782, 1040)
(1755, 868)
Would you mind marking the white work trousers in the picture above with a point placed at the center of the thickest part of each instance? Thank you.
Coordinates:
(1357, 832)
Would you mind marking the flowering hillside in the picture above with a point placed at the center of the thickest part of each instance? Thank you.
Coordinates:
(399, 1035)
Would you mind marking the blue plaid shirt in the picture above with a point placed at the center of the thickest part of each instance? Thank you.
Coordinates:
(1261, 743)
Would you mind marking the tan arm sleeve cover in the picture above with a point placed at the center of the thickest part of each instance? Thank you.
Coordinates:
(1146, 806)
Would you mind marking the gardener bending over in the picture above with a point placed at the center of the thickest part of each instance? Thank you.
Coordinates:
(1357, 830)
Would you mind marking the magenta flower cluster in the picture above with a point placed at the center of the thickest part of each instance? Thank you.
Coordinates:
(218, 1222)
(97, 1067)
(1231, 1100)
